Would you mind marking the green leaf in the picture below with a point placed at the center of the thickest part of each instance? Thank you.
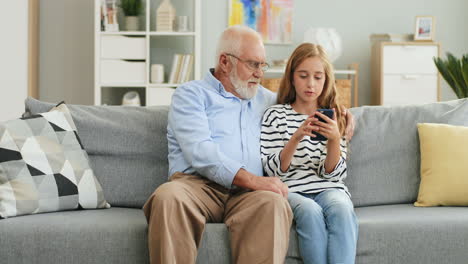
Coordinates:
(465, 72)
(455, 73)
(442, 67)
(131, 7)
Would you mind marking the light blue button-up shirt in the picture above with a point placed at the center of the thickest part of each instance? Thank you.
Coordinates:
(214, 133)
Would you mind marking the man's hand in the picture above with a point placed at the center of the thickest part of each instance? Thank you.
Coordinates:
(250, 181)
(273, 184)
(350, 123)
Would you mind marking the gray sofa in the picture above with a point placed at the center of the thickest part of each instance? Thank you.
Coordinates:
(128, 151)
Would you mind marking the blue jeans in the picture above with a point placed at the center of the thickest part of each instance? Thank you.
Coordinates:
(326, 226)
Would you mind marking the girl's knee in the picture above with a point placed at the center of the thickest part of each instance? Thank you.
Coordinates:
(336, 198)
(343, 211)
(307, 209)
(338, 203)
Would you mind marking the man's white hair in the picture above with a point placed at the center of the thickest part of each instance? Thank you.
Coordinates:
(231, 40)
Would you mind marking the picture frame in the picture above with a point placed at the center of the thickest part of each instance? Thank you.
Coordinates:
(109, 15)
(424, 28)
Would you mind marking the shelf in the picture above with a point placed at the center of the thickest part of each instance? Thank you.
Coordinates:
(351, 72)
(114, 95)
(280, 70)
(167, 85)
(123, 60)
(164, 33)
(144, 33)
(132, 85)
(123, 33)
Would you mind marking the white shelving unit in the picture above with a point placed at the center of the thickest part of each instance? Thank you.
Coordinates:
(123, 59)
(280, 70)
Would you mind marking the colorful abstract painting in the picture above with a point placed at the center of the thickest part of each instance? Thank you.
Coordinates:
(271, 18)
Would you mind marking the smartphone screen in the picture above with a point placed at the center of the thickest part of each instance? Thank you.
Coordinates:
(327, 112)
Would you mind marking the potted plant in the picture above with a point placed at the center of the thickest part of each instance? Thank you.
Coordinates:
(131, 10)
(455, 73)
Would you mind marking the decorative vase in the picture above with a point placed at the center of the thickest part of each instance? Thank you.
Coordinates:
(157, 73)
(328, 38)
(132, 23)
(165, 15)
(131, 99)
(182, 23)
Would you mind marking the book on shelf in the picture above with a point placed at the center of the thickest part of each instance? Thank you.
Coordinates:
(176, 61)
(181, 70)
(185, 70)
(190, 67)
(109, 15)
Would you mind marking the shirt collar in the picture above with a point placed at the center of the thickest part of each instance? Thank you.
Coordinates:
(213, 82)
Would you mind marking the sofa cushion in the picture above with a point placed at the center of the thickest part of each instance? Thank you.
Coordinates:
(115, 235)
(444, 165)
(406, 234)
(387, 234)
(127, 147)
(215, 245)
(43, 166)
(384, 155)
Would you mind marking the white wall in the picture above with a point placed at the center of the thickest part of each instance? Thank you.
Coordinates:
(13, 58)
(355, 20)
(66, 61)
(66, 37)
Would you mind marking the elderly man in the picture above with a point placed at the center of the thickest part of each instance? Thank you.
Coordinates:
(215, 164)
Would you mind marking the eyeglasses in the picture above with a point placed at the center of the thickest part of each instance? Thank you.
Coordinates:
(252, 65)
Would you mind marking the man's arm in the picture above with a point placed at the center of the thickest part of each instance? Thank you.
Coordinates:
(350, 123)
(188, 123)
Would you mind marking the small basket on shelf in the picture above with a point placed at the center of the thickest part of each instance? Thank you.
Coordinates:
(272, 84)
(343, 90)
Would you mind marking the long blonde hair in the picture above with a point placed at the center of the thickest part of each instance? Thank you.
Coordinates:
(328, 97)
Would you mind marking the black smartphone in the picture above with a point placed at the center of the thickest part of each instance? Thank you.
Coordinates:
(327, 112)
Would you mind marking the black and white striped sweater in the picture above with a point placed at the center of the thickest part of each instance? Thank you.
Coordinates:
(306, 173)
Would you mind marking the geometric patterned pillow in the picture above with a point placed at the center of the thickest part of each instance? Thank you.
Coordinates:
(44, 167)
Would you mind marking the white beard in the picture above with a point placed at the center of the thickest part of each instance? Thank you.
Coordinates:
(242, 87)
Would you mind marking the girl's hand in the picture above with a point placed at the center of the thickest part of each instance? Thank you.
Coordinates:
(305, 129)
(329, 128)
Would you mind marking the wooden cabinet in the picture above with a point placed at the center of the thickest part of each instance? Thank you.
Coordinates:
(404, 73)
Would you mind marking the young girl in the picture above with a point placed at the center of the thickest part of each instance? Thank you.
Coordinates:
(313, 170)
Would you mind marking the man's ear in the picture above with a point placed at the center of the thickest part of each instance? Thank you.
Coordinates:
(224, 64)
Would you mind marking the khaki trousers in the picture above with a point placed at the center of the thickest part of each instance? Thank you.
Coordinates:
(258, 221)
